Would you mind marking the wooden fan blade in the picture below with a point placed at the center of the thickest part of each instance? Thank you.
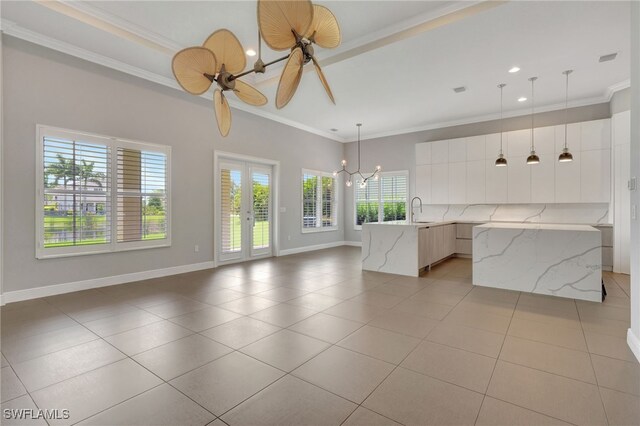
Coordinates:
(326, 28)
(249, 94)
(228, 50)
(290, 78)
(277, 19)
(190, 66)
(323, 79)
(223, 112)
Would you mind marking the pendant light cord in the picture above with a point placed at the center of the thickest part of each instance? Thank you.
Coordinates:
(532, 103)
(501, 86)
(566, 108)
(358, 148)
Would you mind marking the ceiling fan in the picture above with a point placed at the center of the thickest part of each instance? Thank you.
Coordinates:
(295, 25)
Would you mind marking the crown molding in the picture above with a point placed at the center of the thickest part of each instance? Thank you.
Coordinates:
(606, 97)
(12, 29)
(611, 90)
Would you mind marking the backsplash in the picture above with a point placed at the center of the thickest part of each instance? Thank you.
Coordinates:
(587, 213)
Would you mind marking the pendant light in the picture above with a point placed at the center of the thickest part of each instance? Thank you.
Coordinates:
(533, 157)
(363, 179)
(501, 161)
(566, 156)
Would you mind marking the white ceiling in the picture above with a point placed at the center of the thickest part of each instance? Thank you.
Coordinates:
(391, 87)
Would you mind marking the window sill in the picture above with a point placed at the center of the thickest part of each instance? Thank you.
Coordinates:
(44, 254)
(315, 230)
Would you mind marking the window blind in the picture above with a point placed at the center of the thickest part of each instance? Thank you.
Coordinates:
(77, 202)
(141, 195)
(319, 201)
(381, 200)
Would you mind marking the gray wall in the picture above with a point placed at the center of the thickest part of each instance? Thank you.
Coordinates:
(46, 87)
(398, 152)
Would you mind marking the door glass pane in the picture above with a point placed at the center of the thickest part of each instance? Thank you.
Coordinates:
(231, 199)
(261, 209)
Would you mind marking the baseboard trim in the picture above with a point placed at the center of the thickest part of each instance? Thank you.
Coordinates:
(310, 248)
(634, 343)
(353, 243)
(52, 290)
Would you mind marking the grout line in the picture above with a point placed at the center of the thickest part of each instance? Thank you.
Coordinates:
(497, 359)
(593, 369)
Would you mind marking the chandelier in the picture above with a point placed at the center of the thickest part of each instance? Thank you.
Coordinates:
(363, 179)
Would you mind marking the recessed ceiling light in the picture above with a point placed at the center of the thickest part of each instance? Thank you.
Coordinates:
(514, 70)
(609, 57)
(250, 52)
(522, 99)
(460, 89)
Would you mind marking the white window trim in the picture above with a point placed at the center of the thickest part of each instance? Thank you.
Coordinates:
(113, 245)
(336, 197)
(405, 173)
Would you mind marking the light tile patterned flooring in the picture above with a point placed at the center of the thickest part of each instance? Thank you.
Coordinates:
(311, 339)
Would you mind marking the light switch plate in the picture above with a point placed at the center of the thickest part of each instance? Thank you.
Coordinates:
(283, 209)
(631, 184)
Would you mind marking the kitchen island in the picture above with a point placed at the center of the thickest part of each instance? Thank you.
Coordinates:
(557, 260)
(404, 247)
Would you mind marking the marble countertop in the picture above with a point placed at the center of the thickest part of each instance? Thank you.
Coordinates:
(427, 224)
(542, 226)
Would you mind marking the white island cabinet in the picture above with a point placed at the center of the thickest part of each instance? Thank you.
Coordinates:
(557, 260)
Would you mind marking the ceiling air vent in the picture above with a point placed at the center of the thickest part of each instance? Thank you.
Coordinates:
(459, 89)
(609, 57)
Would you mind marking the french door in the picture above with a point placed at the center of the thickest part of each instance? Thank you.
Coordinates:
(245, 203)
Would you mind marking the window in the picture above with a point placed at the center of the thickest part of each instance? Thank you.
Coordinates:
(381, 200)
(319, 202)
(99, 194)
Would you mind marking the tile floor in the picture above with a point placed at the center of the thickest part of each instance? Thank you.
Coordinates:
(311, 339)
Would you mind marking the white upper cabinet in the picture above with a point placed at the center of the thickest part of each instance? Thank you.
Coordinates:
(519, 143)
(462, 171)
(439, 152)
(440, 183)
(595, 182)
(496, 182)
(476, 148)
(423, 183)
(595, 135)
(519, 180)
(574, 131)
(492, 146)
(458, 183)
(423, 153)
(457, 150)
(545, 139)
(476, 182)
(568, 180)
(543, 178)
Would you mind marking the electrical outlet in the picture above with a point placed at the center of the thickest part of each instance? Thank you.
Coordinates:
(289, 237)
(633, 212)
(631, 184)
(196, 248)
(283, 209)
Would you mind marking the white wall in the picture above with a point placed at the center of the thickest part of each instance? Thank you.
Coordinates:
(47, 87)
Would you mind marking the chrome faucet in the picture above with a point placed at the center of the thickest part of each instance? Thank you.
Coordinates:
(413, 216)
